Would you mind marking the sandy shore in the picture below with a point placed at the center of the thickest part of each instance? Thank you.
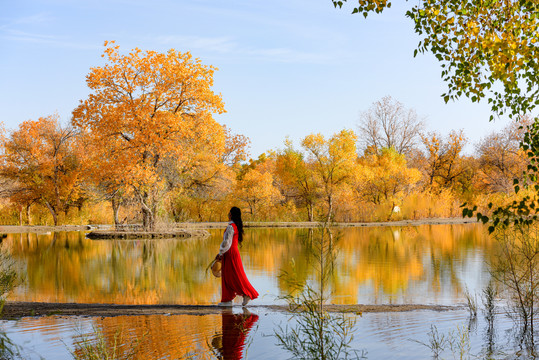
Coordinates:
(7, 229)
(16, 310)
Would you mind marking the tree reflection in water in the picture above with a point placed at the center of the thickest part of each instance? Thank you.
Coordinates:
(317, 334)
(428, 264)
(230, 343)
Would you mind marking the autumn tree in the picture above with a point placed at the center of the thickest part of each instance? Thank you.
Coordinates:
(443, 163)
(141, 107)
(205, 174)
(334, 161)
(388, 124)
(486, 49)
(385, 176)
(297, 178)
(44, 161)
(501, 160)
(256, 188)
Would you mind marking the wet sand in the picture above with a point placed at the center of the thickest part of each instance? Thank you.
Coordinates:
(16, 310)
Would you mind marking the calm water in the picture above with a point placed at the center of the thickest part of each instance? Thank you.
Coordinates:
(380, 336)
(378, 265)
(422, 265)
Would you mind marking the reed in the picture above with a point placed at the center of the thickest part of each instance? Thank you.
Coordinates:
(97, 346)
(317, 333)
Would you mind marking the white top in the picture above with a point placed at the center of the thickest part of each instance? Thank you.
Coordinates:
(227, 239)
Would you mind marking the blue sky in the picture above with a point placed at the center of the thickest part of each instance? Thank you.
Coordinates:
(286, 68)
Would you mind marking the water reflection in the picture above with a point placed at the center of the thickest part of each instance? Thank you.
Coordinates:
(425, 264)
(383, 335)
(230, 343)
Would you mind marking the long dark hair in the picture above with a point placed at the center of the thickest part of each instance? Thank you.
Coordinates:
(235, 215)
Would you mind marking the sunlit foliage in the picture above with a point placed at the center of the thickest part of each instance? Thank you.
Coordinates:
(487, 49)
(45, 163)
(333, 161)
(149, 116)
(385, 177)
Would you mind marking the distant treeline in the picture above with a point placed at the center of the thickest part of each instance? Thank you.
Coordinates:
(144, 147)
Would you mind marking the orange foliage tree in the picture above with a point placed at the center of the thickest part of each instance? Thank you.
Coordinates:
(443, 163)
(44, 161)
(256, 185)
(297, 178)
(384, 176)
(256, 188)
(141, 115)
(205, 175)
(334, 161)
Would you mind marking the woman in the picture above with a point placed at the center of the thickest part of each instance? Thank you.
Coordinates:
(233, 279)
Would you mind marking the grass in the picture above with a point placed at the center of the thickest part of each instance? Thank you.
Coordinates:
(317, 333)
(96, 346)
(471, 304)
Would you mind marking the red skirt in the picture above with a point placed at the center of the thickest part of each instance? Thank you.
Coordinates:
(233, 279)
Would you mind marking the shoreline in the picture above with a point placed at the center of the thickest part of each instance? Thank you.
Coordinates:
(40, 229)
(18, 309)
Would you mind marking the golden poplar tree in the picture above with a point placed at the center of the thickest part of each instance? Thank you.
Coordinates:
(45, 163)
(334, 161)
(141, 115)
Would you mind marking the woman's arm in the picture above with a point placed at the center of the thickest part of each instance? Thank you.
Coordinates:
(227, 240)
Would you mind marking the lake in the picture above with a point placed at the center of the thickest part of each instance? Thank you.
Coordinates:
(429, 264)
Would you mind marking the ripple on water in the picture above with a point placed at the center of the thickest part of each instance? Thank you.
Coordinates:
(382, 335)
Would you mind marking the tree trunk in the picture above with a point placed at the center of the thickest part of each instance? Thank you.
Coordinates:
(53, 212)
(79, 211)
(28, 214)
(148, 219)
(391, 212)
(310, 212)
(148, 213)
(145, 219)
(115, 210)
(252, 209)
(330, 208)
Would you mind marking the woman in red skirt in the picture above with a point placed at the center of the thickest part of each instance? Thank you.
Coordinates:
(233, 279)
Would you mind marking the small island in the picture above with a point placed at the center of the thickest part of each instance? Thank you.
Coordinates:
(134, 234)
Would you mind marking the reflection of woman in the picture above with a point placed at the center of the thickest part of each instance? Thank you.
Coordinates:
(235, 328)
(233, 279)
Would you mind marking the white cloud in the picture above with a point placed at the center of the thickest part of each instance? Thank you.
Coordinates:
(214, 44)
(34, 19)
(228, 45)
(51, 40)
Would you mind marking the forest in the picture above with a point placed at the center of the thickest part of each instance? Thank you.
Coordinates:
(144, 147)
